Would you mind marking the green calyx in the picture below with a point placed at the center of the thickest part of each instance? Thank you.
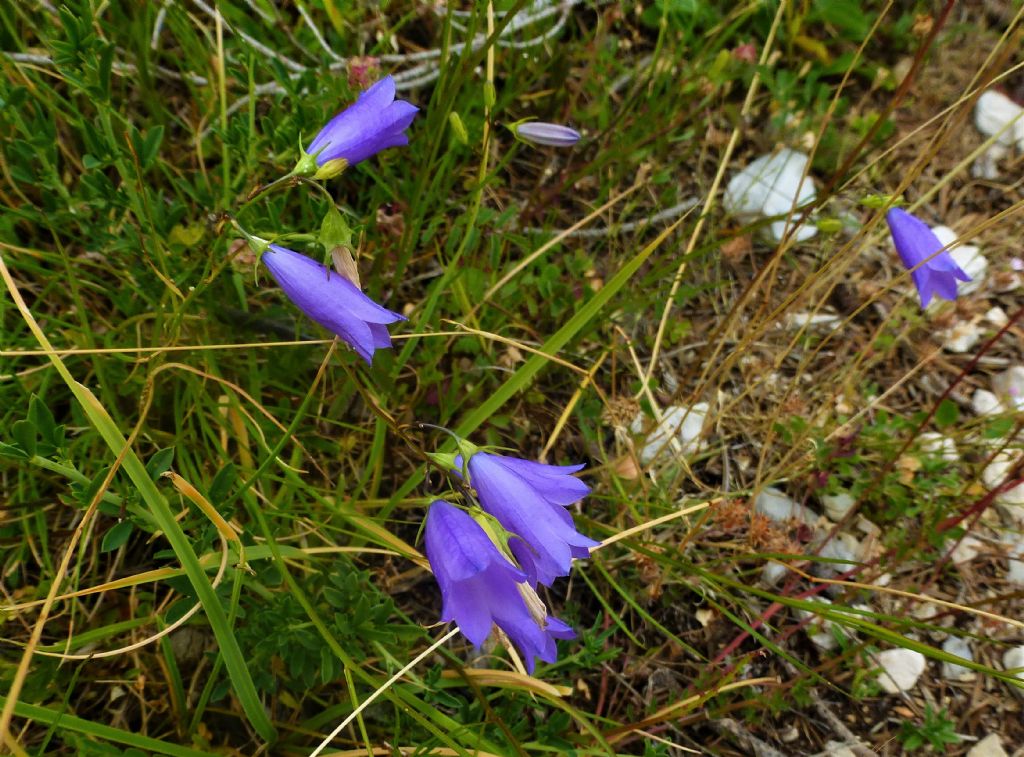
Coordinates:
(443, 460)
(306, 166)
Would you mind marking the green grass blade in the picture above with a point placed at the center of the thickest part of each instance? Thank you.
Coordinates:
(63, 721)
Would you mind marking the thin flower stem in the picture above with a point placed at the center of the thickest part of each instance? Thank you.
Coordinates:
(387, 684)
(263, 189)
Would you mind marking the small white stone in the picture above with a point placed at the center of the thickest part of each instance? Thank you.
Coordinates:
(985, 403)
(925, 611)
(959, 647)
(772, 185)
(1013, 659)
(839, 749)
(677, 422)
(967, 256)
(800, 320)
(842, 546)
(1015, 574)
(961, 337)
(945, 235)
(1009, 386)
(1015, 552)
(996, 472)
(820, 630)
(973, 263)
(778, 506)
(900, 669)
(990, 746)
(772, 573)
(986, 165)
(995, 113)
(939, 444)
(997, 317)
(837, 505)
(966, 550)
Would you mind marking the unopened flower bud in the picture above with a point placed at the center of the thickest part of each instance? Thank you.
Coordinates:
(541, 133)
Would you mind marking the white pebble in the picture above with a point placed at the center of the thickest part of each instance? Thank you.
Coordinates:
(959, 647)
(967, 256)
(997, 317)
(778, 506)
(1015, 574)
(985, 403)
(940, 445)
(820, 631)
(1013, 659)
(772, 573)
(1009, 386)
(772, 185)
(837, 505)
(990, 746)
(961, 337)
(986, 165)
(800, 320)
(994, 475)
(966, 550)
(680, 423)
(995, 113)
(900, 669)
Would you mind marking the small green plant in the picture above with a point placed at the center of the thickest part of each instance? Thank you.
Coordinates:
(936, 730)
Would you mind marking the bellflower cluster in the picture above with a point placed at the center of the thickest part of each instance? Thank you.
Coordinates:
(488, 571)
(528, 500)
(933, 269)
(480, 588)
(373, 123)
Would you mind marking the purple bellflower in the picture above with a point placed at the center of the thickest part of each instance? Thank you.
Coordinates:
(331, 300)
(917, 246)
(374, 122)
(529, 500)
(541, 133)
(480, 587)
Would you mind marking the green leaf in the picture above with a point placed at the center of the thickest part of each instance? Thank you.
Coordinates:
(335, 231)
(24, 433)
(997, 428)
(845, 15)
(947, 413)
(223, 482)
(150, 147)
(39, 414)
(64, 722)
(160, 462)
(117, 536)
(12, 450)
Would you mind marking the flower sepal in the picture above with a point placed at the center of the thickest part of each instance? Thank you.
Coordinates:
(466, 451)
(257, 244)
(306, 166)
(443, 460)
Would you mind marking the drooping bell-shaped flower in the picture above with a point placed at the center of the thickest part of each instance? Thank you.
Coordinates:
(374, 122)
(529, 500)
(331, 300)
(933, 269)
(542, 133)
(480, 588)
